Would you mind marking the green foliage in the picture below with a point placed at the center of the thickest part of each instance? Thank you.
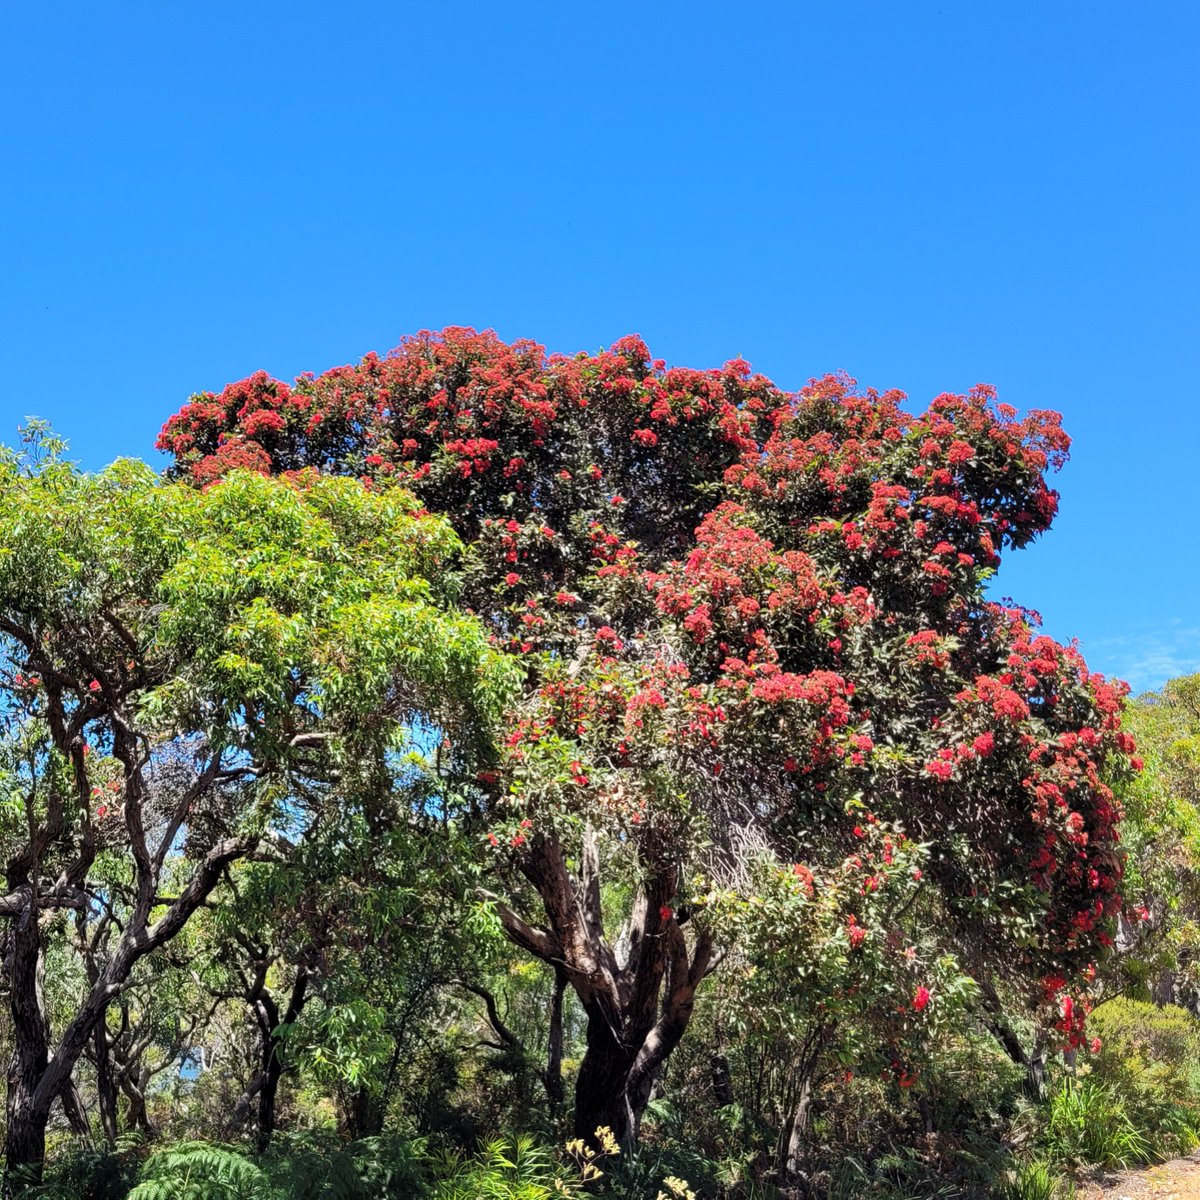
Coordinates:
(316, 1168)
(306, 1168)
(506, 1169)
(1090, 1123)
(1036, 1180)
(87, 1174)
(1161, 836)
(1150, 1054)
(201, 1171)
(308, 626)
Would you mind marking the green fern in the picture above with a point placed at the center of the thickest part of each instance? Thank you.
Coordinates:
(308, 1167)
(202, 1171)
(517, 1169)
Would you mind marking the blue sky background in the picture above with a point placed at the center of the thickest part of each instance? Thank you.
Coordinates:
(924, 194)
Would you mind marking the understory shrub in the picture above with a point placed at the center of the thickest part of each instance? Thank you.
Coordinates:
(1151, 1055)
(303, 1167)
(1089, 1123)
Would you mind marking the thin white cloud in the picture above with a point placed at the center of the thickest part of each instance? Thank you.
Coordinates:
(1149, 656)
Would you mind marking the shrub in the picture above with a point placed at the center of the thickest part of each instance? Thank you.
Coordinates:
(1090, 1124)
(1036, 1180)
(1150, 1054)
(506, 1169)
(86, 1175)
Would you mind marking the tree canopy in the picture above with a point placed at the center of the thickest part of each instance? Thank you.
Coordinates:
(189, 676)
(476, 749)
(753, 630)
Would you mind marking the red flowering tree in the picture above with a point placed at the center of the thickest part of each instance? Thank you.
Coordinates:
(750, 621)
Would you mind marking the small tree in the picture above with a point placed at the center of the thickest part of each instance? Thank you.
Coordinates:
(184, 672)
(1159, 952)
(751, 621)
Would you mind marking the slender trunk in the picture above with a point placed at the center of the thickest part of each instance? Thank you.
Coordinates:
(73, 1110)
(106, 1083)
(1035, 1073)
(797, 1134)
(272, 1070)
(25, 1136)
(794, 1140)
(552, 1076)
(722, 1084)
(37, 1077)
(274, 1029)
(1034, 1061)
(365, 1113)
(241, 1110)
(135, 1096)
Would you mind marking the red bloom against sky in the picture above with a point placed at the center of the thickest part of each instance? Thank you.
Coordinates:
(802, 186)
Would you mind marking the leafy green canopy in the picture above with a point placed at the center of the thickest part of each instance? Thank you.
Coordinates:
(186, 671)
(249, 612)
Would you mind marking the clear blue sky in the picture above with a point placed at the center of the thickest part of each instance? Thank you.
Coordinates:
(925, 194)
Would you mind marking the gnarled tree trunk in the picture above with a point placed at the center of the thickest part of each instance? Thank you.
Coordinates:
(637, 996)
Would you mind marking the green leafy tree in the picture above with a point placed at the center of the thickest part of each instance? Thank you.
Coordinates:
(1159, 955)
(183, 673)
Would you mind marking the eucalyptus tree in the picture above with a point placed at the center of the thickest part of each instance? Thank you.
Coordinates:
(184, 674)
(750, 620)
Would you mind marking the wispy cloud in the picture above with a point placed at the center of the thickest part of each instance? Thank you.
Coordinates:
(1148, 656)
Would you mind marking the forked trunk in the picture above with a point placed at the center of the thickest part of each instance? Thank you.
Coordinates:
(638, 996)
(617, 1075)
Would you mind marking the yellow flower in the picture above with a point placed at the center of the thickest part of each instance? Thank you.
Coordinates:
(677, 1189)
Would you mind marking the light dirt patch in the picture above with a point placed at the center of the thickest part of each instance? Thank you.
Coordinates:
(1178, 1180)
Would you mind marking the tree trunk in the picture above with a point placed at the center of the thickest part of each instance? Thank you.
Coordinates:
(617, 1076)
(1035, 1072)
(552, 1076)
(106, 1084)
(35, 1076)
(73, 1109)
(272, 1069)
(365, 1112)
(638, 997)
(272, 1025)
(722, 1084)
(1034, 1061)
(602, 1091)
(25, 1136)
(792, 1146)
(24, 1144)
(797, 1134)
(135, 1096)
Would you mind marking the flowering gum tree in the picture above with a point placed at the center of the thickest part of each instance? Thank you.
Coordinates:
(750, 622)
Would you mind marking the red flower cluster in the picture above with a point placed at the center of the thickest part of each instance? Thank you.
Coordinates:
(775, 592)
